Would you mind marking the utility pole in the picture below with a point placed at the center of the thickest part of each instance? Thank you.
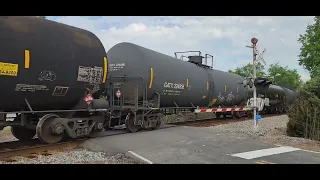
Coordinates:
(254, 42)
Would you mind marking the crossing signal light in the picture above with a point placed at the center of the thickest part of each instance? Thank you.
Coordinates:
(262, 82)
(259, 82)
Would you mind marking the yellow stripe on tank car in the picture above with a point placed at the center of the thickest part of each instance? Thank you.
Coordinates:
(151, 77)
(26, 59)
(105, 69)
(225, 88)
(187, 83)
(237, 90)
(207, 85)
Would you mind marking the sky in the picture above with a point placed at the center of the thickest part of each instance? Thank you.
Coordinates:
(224, 38)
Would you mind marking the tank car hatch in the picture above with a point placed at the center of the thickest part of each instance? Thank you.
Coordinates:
(197, 59)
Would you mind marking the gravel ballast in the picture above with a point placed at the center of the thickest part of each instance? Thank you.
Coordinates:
(79, 156)
(6, 135)
(271, 130)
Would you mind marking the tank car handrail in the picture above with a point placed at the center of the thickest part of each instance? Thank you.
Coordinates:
(181, 58)
(175, 54)
(206, 59)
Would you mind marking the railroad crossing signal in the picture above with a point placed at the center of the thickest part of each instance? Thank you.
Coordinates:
(259, 56)
(118, 94)
(256, 81)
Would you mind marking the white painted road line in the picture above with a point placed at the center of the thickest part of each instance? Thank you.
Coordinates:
(316, 152)
(265, 152)
(137, 156)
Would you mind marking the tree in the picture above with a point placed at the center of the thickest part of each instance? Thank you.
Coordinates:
(304, 119)
(284, 77)
(279, 75)
(246, 70)
(309, 56)
(312, 86)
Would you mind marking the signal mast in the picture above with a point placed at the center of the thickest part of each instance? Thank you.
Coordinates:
(255, 62)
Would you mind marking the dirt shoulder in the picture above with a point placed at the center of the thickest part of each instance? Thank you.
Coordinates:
(6, 135)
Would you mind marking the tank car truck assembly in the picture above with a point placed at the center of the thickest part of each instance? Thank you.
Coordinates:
(60, 82)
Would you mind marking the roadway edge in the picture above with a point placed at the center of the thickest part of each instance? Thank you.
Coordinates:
(138, 157)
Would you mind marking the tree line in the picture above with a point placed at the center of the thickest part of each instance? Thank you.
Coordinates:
(309, 59)
(304, 113)
(279, 75)
(309, 56)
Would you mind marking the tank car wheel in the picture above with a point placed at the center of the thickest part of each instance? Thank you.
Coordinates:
(249, 114)
(159, 121)
(106, 121)
(218, 115)
(157, 125)
(130, 124)
(22, 133)
(95, 133)
(44, 130)
(224, 116)
(236, 114)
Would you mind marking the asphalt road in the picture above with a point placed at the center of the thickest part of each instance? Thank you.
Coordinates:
(193, 145)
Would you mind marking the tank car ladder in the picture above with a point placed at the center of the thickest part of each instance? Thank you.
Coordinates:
(210, 88)
(128, 110)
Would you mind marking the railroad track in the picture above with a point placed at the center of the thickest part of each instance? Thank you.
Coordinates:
(214, 122)
(32, 148)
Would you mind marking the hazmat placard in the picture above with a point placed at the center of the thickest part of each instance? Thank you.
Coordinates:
(8, 69)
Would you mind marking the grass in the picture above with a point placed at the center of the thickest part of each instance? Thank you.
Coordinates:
(5, 133)
(6, 128)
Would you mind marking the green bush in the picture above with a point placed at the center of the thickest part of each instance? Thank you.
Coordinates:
(304, 117)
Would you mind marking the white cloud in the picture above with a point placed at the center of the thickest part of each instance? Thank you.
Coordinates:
(223, 37)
